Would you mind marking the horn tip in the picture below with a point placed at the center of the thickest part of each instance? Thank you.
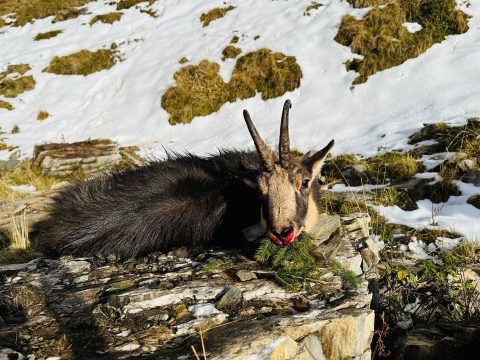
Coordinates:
(288, 103)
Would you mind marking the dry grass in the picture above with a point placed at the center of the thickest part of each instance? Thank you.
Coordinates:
(42, 115)
(27, 11)
(6, 105)
(15, 129)
(271, 74)
(234, 39)
(25, 174)
(47, 35)
(2, 23)
(183, 60)
(109, 18)
(200, 90)
(398, 167)
(230, 52)
(309, 9)
(214, 14)
(12, 83)
(84, 62)
(384, 42)
(18, 231)
(127, 4)
(367, 3)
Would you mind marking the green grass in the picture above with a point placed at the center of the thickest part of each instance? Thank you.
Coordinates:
(215, 14)
(47, 35)
(84, 62)
(200, 90)
(230, 52)
(384, 42)
(6, 105)
(109, 18)
(28, 11)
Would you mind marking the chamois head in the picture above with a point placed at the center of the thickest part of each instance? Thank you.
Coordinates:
(287, 186)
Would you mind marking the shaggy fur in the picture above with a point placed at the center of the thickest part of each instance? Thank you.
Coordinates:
(182, 201)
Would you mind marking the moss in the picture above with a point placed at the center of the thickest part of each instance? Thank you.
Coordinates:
(42, 115)
(230, 52)
(183, 60)
(384, 42)
(214, 14)
(29, 11)
(47, 35)
(313, 6)
(84, 62)
(474, 201)
(200, 90)
(127, 4)
(6, 105)
(15, 129)
(234, 39)
(109, 18)
(438, 192)
(16, 256)
(270, 74)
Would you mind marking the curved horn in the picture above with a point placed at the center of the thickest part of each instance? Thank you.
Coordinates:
(262, 149)
(284, 143)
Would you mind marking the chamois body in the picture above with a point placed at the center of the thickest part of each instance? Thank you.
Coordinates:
(187, 201)
(182, 201)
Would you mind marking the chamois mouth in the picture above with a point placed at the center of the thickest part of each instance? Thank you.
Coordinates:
(282, 241)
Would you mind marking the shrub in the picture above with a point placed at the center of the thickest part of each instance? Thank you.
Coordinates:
(47, 35)
(109, 18)
(214, 14)
(84, 62)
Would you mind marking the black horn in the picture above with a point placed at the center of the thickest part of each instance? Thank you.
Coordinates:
(262, 149)
(284, 143)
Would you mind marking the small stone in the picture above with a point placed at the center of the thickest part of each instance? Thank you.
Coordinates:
(76, 266)
(126, 347)
(230, 299)
(300, 303)
(245, 275)
(472, 177)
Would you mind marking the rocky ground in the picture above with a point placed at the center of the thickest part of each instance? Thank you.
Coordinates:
(155, 307)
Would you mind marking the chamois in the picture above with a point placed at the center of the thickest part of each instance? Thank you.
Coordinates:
(187, 201)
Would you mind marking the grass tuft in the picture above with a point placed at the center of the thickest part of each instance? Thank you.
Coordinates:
(230, 52)
(214, 14)
(42, 115)
(127, 4)
(200, 90)
(15, 129)
(6, 105)
(109, 18)
(84, 62)
(47, 35)
(12, 83)
(384, 42)
(28, 11)
(313, 6)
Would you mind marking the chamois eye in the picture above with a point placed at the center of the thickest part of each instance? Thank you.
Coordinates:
(305, 183)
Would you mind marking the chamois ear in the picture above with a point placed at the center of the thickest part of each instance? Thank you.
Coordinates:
(315, 162)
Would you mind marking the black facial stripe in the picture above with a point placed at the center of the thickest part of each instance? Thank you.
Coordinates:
(265, 211)
(302, 206)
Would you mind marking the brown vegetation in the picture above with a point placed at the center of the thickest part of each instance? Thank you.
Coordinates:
(230, 52)
(12, 83)
(47, 35)
(200, 90)
(214, 14)
(109, 18)
(384, 42)
(84, 62)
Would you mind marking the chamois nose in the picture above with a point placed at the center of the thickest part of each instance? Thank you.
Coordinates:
(286, 231)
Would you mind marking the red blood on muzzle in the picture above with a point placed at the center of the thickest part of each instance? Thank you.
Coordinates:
(286, 240)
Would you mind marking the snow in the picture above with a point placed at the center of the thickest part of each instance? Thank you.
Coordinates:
(454, 215)
(412, 27)
(123, 102)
